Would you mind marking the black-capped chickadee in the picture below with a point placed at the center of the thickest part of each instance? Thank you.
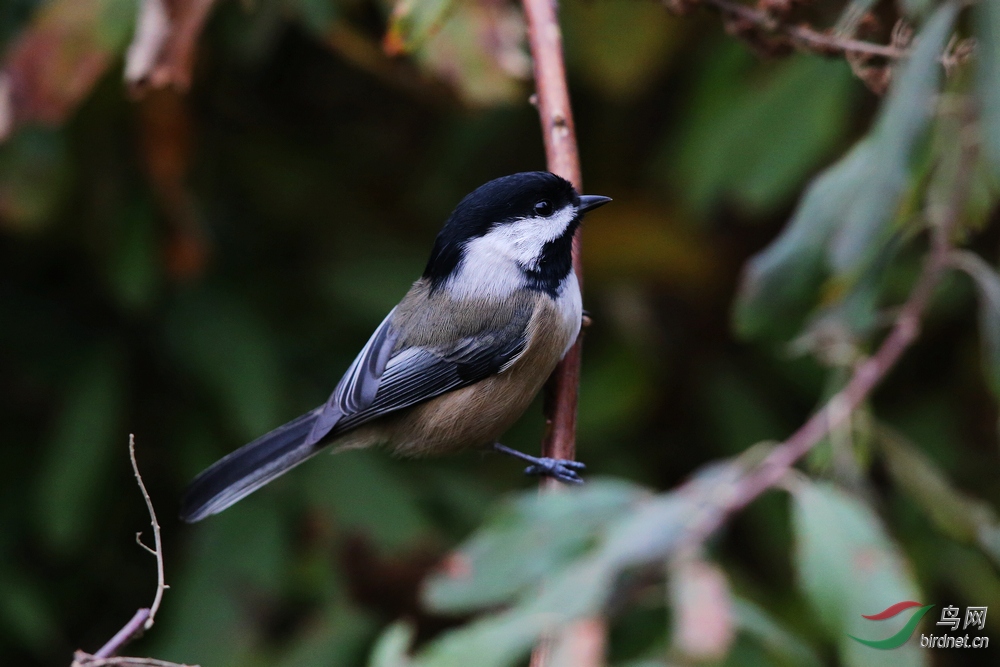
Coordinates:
(459, 359)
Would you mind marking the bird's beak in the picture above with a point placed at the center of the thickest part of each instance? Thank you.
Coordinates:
(589, 202)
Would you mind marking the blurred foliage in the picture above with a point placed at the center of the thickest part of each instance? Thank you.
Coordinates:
(198, 263)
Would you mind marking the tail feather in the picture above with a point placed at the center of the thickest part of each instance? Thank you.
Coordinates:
(248, 468)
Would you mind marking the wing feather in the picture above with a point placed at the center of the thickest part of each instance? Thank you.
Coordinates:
(385, 378)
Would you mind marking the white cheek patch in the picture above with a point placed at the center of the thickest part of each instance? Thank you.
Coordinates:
(493, 265)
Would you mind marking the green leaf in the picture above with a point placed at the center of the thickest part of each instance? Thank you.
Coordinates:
(620, 68)
(579, 587)
(756, 622)
(237, 562)
(901, 123)
(25, 613)
(523, 541)
(952, 512)
(986, 16)
(988, 285)
(843, 220)
(781, 282)
(360, 491)
(134, 272)
(34, 175)
(80, 452)
(757, 141)
(848, 566)
(336, 639)
(225, 345)
(391, 648)
(413, 22)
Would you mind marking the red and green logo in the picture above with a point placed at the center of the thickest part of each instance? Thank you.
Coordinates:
(904, 633)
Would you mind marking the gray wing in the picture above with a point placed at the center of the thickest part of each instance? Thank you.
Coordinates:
(383, 379)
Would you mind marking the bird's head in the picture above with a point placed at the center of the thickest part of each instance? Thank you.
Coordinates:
(512, 232)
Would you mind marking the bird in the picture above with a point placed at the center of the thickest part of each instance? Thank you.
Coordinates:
(460, 357)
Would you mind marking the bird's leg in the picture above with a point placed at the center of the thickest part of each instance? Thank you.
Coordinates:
(564, 470)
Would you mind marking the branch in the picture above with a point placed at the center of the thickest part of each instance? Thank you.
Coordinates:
(562, 157)
(144, 618)
(866, 376)
(585, 639)
(802, 36)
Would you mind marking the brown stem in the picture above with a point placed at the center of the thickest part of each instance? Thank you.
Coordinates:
(804, 36)
(562, 157)
(584, 639)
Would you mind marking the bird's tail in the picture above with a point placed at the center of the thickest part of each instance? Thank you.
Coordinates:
(248, 468)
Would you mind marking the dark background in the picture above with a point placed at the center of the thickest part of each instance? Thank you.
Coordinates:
(199, 269)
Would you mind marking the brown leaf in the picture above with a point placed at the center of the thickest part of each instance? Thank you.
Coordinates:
(162, 52)
(703, 607)
(166, 136)
(56, 61)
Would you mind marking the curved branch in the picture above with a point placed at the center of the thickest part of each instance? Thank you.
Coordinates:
(867, 375)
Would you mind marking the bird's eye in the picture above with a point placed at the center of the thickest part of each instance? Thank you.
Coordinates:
(543, 208)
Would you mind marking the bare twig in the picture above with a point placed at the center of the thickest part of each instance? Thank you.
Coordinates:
(145, 617)
(157, 551)
(867, 375)
(81, 659)
(585, 639)
(803, 36)
(563, 158)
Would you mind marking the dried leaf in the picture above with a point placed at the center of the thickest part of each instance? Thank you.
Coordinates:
(412, 23)
(55, 63)
(703, 609)
(480, 52)
(162, 52)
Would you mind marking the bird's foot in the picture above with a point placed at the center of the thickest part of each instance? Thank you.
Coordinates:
(564, 470)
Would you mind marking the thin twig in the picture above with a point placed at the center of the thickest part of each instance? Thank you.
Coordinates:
(143, 618)
(157, 550)
(866, 376)
(804, 36)
(129, 631)
(81, 659)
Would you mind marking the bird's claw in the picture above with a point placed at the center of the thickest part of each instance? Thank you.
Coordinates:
(564, 470)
